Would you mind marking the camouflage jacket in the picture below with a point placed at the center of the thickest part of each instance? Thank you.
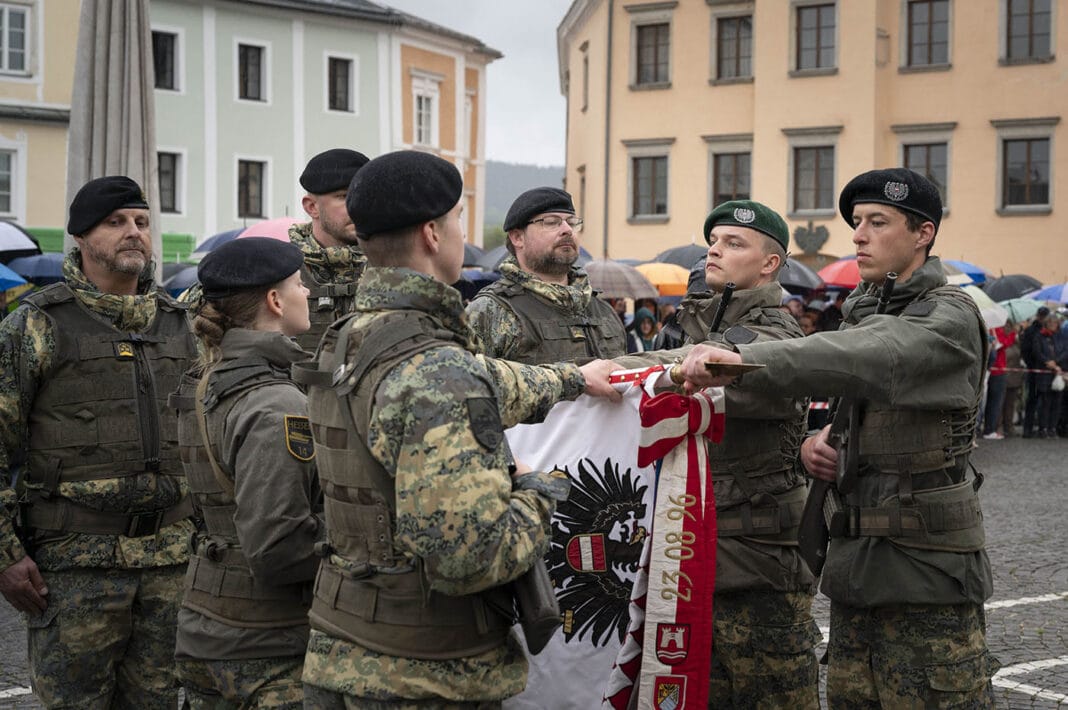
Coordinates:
(457, 508)
(327, 264)
(27, 345)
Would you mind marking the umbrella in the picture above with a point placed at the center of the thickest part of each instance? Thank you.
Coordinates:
(41, 269)
(9, 279)
(844, 273)
(491, 260)
(977, 273)
(173, 267)
(474, 280)
(1058, 293)
(277, 228)
(683, 256)
(993, 315)
(15, 242)
(1011, 286)
(615, 280)
(669, 279)
(217, 240)
(472, 254)
(799, 276)
(181, 281)
(1020, 309)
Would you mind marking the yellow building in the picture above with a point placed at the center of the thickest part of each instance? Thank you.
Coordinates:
(676, 106)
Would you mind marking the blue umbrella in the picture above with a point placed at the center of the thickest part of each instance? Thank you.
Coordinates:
(977, 273)
(474, 280)
(9, 279)
(181, 281)
(217, 240)
(1058, 293)
(41, 269)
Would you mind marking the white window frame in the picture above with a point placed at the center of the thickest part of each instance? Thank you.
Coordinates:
(265, 188)
(795, 71)
(655, 13)
(265, 69)
(817, 136)
(179, 56)
(729, 12)
(427, 85)
(180, 183)
(354, 83)
(723, 145)
(1018, 129)
(925, 133)
(647, 148)
(903, 43)
(1003, 37)
(28, 11)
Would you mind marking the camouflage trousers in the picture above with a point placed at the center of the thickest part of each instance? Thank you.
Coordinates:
(255, 683)
(106, 639)
(909, 656)
(763, 651)
(316, 698)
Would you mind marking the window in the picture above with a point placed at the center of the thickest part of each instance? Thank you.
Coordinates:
(582, 192)
(14, 35)
(168, 181)
(251, 175)
(585, 79)
(1025, 176)
(730, 177)
(654, 47)
(929, 160)
(424, 120)
(928, 28)
(814, 178)
(814, 37)
(250, 62)
(164, 59)
(426, 89)
(7, 171)
(1027, 26)
(650, 186)
(339, 82)
(734, 47)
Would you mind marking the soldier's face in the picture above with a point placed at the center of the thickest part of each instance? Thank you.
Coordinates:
(293, 296)
(737, 254)
(884, 242)
(452, 235)
(548, 250)
(121, 243)
(334, 218)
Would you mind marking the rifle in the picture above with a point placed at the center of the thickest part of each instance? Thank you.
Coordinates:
(823, 507)
(728, 292)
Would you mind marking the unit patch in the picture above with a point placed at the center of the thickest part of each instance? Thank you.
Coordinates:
(124, 350)
(485, 421)
(299, 438)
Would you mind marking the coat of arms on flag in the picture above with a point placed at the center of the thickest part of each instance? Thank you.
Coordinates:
(669, 692)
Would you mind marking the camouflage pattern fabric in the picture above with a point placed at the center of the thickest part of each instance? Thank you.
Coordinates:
(763, 651)
(328, 264)
(260, 684)
(319, 699)
(912, 655)
(88, 650)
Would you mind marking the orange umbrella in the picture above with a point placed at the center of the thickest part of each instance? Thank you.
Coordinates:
(669, 279)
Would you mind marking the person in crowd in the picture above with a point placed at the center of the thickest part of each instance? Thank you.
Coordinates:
(795, 305)
(1029, 348)
(642, 337)
(997, 383)
(543, 308)
(1047, 399)
(906, 570)
(96, 555)
(250, 464)
(1014, 380)
(428, 515)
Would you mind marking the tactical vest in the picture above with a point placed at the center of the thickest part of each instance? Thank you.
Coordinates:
(326, 303)
(559, 335)
(365, 591)
(102, 412)
(219, 582)
(898, 446)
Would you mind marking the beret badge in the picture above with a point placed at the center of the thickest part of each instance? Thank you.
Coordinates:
(744, 215)
(896, 191)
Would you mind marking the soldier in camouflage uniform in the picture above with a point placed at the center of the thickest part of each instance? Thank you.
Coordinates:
(764, 634)
(906, 570)
(96, 562)
(248, 457)
(543, 309)
(425, 524)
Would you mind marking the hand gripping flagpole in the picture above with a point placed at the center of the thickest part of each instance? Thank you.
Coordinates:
(665, 659)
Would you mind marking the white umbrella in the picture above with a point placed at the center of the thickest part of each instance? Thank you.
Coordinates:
(15, 242)
(994, 315)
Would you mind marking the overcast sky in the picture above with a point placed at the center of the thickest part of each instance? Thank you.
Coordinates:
(526, 109)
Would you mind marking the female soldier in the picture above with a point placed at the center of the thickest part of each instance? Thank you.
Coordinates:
(247, 452)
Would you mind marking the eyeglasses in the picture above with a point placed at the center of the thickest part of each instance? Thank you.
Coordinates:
(554, 221)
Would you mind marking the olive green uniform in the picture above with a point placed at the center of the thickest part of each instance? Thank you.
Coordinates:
(243, 628)
(522, 318)
(437, 513)
(105, 454)
(330, 274)
(906, 571)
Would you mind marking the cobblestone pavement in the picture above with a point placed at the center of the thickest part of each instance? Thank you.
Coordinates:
(1024, 499)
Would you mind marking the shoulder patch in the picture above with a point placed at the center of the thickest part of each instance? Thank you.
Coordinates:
(485, 421)
(739, 335)
(919, 308)
(299, 438)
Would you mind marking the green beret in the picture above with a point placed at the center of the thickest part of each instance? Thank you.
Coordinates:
(249, 262)
(899, 187)
(402, 189)
(747, 213)
(100, 197)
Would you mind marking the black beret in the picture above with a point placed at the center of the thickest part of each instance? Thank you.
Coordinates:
(534, 202)
(754, 215)
(402, 189)
(331, 170)
(100, 197)
(247, 263)
(899, 187)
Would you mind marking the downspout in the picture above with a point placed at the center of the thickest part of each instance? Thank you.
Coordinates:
(607, 127)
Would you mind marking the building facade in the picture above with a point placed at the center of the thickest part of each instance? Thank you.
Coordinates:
(676, 106)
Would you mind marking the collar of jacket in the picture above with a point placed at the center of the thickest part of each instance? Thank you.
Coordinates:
(275, 347)
(400, 288)
(742, 301)
(864, 299)
(574, 296)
